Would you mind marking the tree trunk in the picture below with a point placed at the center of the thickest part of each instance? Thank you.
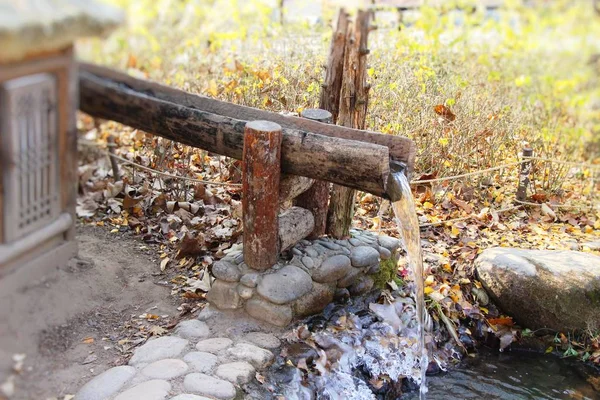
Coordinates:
(260, 181)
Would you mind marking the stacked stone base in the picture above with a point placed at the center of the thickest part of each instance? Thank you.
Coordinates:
(312, 275)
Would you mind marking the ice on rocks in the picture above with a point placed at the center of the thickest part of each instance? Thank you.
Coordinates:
(106, 384)
(165, 369)
(209, 386)
(192, 329)
(150, 390)
(213, 345)
(158, 349)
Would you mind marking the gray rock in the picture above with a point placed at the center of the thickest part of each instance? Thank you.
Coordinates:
(239, 258)
(332, 269)
(305, 242)
(165, 369)
(373, 269)
(330, 245)
(189, 397)
(150, 390)
(308, 262)
(238, 372)
(341, 294)
(158, 349)
(226, 271)
(209, 386)
(363, 256)
(355, 242)
(319, 249)
(344, 243)
(346, 251)
(315, 301)
(559, 290)
(250, 280)
(262, 339)
(285, 285)
(279, 315)
(311, 252)
(389, 243)
(106, 384)
(361, 286)
(192, 329)
(255, 355)
(592, 245)
(214, 345)
(350, 277)
(224, 295)
(201, 361)
(245, 292)
(296, 252)
(384, 253)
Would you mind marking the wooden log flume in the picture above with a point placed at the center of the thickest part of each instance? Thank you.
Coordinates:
(348, 157)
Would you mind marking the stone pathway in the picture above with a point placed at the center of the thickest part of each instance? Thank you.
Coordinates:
(206, 358)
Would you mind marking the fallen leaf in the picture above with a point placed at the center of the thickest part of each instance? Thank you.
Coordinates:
(444, 112)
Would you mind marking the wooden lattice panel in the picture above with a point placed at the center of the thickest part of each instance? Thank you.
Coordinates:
(29, 143)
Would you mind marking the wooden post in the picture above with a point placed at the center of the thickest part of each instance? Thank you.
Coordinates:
(353, 110)
(110, 141)
(261, 166)
(524, 174)
(316, 198)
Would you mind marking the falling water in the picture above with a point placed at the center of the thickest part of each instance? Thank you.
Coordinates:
(408, 225)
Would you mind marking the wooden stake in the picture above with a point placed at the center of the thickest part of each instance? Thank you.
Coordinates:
(316, 198)
(353, 111)
(261, 166)
(524, 174)
(113, 161)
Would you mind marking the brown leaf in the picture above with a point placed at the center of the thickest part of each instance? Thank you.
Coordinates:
(190, 247)
(129, 202)
(466, 207)
(444, 112)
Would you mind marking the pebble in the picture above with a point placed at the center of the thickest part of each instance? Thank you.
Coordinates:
(285, 285)
(245, 292)
(361, 286)
(355, 242)
(255, 355)
(189, 397)
(363, 256)
(344, 243)
(384, 253)
(306, 242)
(250, 280)
(341, 294)
(262, 339)
(330, 245)
(315, 301)
(158, 349)
(373, 269)
(319, 249)
(346, 251)
(165, 369)
(296, 252)
(279, 315)
(311, 252)
(106, 384)
(239, 258)
(332, 269)
(238, 372)
(201, 361)
(150, 390)
(308, 262)
(349, 278)
(226, 271)
(209, 386)
(389, 243)
(213, 345)
(224, 295)
(192, 329)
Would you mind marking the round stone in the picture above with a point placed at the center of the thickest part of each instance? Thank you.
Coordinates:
(355, 242)
(262, 339)
(201, 361)
(332, 269)
(315, 301)
(158, 349)
(192, 329)
(250, 280)
(245, 292)
(285, 285)
(373, 269)
(209, 386)
(213, 345)
(349, 278)
(238, 372)
(364, 256)
(308, 262)
(311, 252)
(150, 390)
(361, 286)
(279, 315)
(330, 245)
(226, 271)
(255, 355)
(106, 384)
(165, 369)
(384, 253)
(224, 295)
(296, 252)
(389, 243)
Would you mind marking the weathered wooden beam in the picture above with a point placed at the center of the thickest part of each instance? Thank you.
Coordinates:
(261, 171)
(361, 165)
(291, 186)
(400, 148)
(295, 224)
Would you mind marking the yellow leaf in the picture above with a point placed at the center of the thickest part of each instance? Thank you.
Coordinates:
(448, 268)
(443, 141)
(430, 280)
(427, 205)
(484, 310)
(114, 231)
(549, 350)
(88, 340)
(428, 290)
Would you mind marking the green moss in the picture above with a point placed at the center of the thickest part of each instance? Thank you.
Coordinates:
(387, 272)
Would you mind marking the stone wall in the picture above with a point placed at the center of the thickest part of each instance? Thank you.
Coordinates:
(304, 282)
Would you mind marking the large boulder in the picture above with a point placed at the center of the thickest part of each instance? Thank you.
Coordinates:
(559, 290)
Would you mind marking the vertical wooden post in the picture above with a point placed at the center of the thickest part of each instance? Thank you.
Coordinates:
(261, 170)
(110, 141)
(354, 99)
(524, 174)
(316, 198)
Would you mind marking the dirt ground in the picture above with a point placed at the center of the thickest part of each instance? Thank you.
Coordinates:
(52, 320)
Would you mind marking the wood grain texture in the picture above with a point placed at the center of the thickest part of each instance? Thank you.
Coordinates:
(291, 186)
(400, 148)
(261, 170)
(360, 165)
(295, 224)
